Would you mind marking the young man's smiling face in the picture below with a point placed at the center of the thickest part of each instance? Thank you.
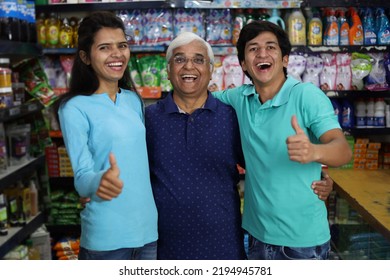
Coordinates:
(263, 59)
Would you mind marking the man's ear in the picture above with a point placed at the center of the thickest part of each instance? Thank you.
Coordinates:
(285, 60)
(212, 71)
(84, 58)
(168, 71)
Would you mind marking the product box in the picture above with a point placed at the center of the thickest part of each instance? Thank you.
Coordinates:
(52, 160)
(372, 154)
(150, 92)
(374, 146)
(372, 164)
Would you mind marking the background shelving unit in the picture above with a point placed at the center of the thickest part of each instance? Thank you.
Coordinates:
(14, 173)
(16, 235)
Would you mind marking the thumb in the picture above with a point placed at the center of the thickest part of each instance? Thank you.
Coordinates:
(295, 125)
(113, 164)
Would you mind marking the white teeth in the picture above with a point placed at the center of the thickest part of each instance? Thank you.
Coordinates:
(263, 64)
(115, 64)
(188, 76)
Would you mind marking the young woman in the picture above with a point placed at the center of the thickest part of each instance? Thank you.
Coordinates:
(102, 122)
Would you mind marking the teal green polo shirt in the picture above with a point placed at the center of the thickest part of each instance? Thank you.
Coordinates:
(280, 207)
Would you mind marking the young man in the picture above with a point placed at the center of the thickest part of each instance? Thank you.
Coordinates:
(288, 129)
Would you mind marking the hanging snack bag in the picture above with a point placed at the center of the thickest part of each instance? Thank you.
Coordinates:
(158, 27)
(191, 20)
(132, 20)
(33, 75)
(219, 28)
(361, 66)
(344, 73)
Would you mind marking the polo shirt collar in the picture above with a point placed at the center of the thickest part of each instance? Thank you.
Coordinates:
(282, 96)
(171, 107)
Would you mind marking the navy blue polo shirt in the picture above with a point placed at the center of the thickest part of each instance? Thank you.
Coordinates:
(194, 178)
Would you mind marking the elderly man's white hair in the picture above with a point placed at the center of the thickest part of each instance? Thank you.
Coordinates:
(184, 38)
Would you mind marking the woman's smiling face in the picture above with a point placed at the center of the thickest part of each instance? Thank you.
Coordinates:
(110, 55)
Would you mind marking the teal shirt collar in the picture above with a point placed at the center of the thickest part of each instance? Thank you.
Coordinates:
(281, 97)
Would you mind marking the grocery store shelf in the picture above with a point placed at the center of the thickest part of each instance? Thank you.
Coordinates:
(16, 235)
(8, 114)
(369, 131)
(13, 173)
(100, 6)
(353, 94)
(346, 3)
(20, 49)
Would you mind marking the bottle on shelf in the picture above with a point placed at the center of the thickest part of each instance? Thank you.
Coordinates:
(249, 15)
(337, 110)
(314, 30)
(297, 28)
(361, 114)
(3, 216)
(41, 29)
(6, 94)
(5, 72)
(66, 35)
(24, 28)
(356, 29)
(10, 22)
(331, 34)
(33, 198)
(370, 113)
(383, 27)
(275, 18)
(52, 31)
(348, 114)
(22, 217)
(75, 23)
(369, 28)
(32, 25)
(343, 27)
(379, 115)
(263, 14)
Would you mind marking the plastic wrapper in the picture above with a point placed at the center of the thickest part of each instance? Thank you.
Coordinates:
(19, 143)
(32, 73)
(361, 67)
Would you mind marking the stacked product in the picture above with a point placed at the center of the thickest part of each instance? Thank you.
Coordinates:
(366, 154)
